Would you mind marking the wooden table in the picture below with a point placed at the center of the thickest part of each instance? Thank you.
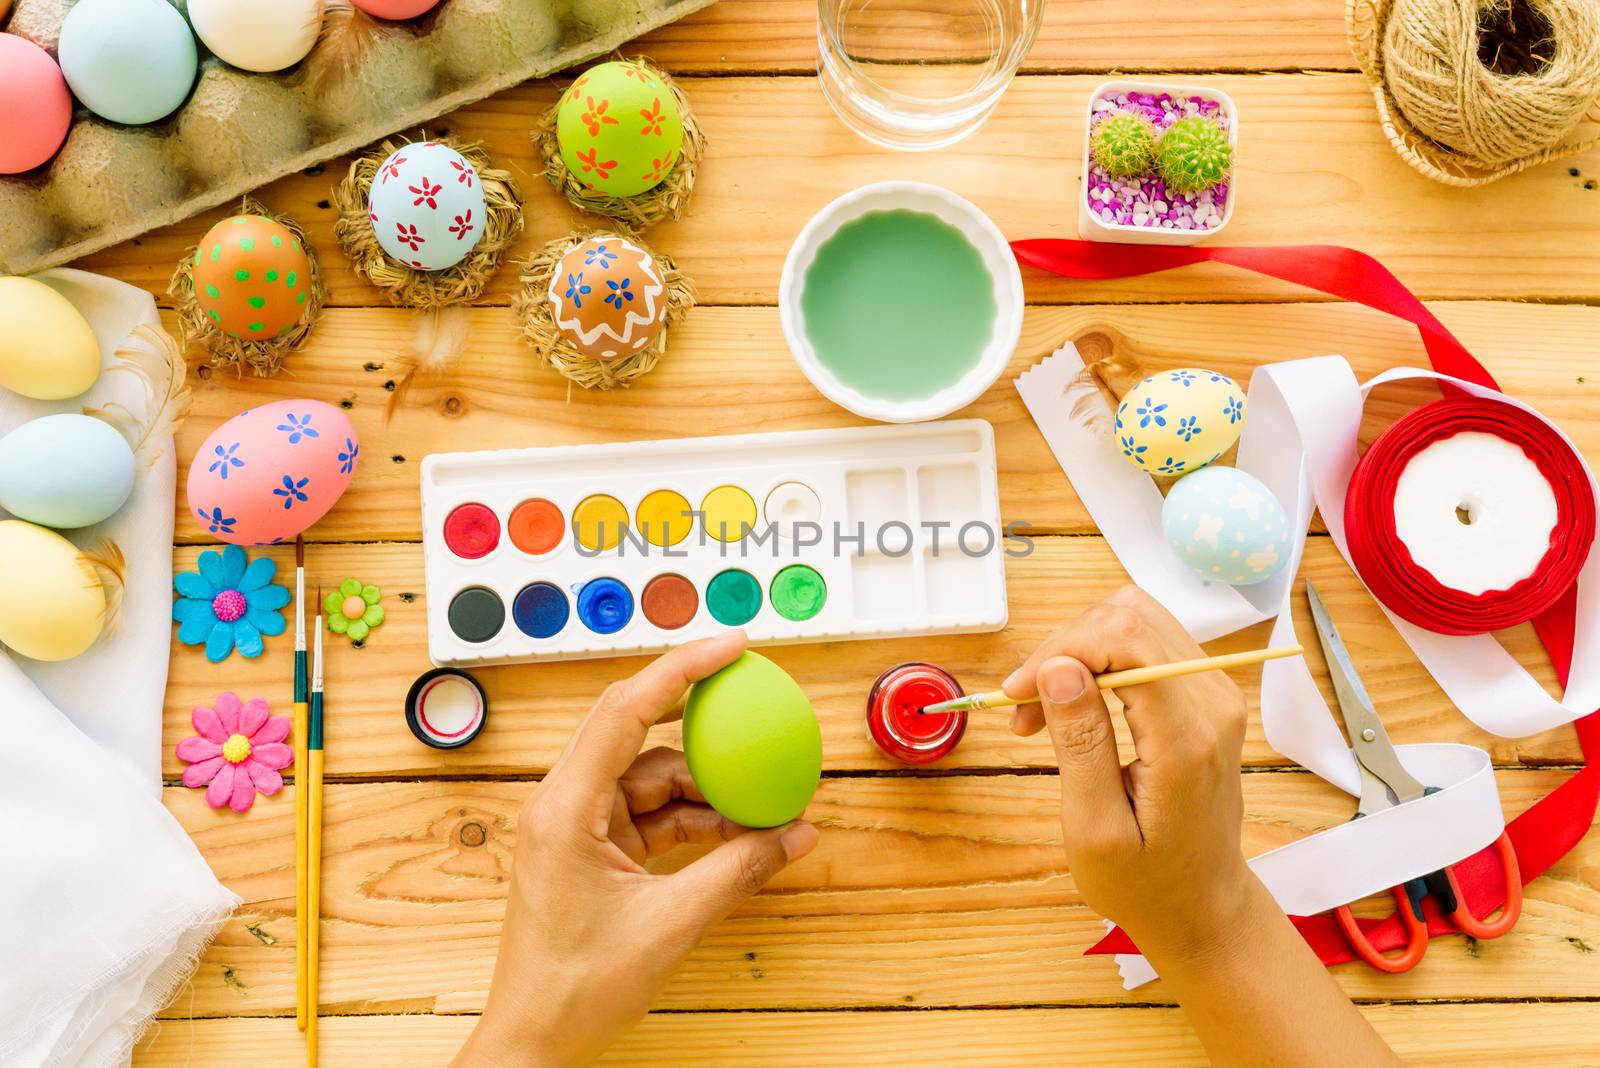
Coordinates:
(942, 892)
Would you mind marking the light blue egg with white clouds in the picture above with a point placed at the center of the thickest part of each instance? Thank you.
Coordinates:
(65, 471)
(1227, 525)
(130, 61)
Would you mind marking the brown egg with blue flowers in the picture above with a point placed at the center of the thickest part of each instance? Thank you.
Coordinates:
(609, 297)
(252, 277)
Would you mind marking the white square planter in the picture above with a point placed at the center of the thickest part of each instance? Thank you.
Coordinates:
(1092, 227)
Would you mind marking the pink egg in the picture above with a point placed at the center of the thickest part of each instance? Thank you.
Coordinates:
(267, 474)
(35, 106)
(395, 9)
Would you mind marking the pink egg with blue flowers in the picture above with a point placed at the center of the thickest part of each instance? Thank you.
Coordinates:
(269, 473)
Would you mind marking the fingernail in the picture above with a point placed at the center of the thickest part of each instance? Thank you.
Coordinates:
(1061, 681)
(798, 840)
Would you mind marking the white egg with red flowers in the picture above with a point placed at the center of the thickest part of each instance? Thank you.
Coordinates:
(426, 206)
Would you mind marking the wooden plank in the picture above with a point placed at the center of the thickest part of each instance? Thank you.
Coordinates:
(729, 372)
(1530, 1034)
(948, 891)
(1313, 160)
(780, 36)
(533, 708)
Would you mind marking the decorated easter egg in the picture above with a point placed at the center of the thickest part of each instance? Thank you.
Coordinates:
(426, 206)
(261, 35)
(65, 471)
(1225, 524)
(395, 9)
(619, 129)
(752, 742)
(47, 350)
(269, 473)
(129, 61)
(608, 297)
(1176, 421)
(52, 603)
(35, 107)
(252, 278)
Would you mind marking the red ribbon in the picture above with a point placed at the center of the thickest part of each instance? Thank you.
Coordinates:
(1548, 830)
(1411, 592)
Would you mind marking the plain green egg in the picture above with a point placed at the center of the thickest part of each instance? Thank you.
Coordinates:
(752, 742)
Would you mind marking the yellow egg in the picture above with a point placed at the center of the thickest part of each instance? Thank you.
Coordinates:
(1176, 421)
(47, 350)
(52, 604)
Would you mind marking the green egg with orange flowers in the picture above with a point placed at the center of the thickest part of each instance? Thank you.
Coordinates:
(619, 129)
(252, 277)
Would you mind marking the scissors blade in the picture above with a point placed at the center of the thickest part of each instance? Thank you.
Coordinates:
(1374, 751)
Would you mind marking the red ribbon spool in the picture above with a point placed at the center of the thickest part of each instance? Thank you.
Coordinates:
(1409, 590)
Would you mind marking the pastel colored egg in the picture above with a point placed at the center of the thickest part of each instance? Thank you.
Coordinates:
(751, 739)
(252, 277)
(1176, 421)
(52, 603)
(35, 106)
(608, 297)
(1227, 525)
(47, 350)
(65, 471)
(267, 474)
(619, 129)
(426, 205)
(130, 61)
(395, 9)
(259, 35)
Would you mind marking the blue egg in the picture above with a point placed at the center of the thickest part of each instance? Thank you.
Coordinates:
(131, 61)
(1226, 525)
(65, 471)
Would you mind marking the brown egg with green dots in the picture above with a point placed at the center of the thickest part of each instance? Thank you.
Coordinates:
(252, 277)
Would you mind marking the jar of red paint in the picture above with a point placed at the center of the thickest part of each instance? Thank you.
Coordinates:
(899, 729)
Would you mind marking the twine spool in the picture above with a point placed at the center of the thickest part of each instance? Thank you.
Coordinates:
(1473, 90)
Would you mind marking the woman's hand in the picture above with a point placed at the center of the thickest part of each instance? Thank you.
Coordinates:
(1155, 845)
(590, 936)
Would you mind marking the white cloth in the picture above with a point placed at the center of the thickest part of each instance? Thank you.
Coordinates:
(105, 903)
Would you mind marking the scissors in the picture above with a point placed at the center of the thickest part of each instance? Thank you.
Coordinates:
(1385, 783)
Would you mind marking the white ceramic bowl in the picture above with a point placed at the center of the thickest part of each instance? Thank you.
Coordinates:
(976, 227)
(1093, 228)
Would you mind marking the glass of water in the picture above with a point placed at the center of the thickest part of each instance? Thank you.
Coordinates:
(920, 74)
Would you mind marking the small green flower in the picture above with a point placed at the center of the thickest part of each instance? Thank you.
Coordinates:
(354, 610)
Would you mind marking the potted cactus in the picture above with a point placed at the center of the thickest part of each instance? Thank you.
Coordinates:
(1158, 163)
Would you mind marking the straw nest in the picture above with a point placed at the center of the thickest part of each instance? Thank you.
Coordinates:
(427, 289)
(265, 356)
(537, 319)
(662, 203)
(1469, 91)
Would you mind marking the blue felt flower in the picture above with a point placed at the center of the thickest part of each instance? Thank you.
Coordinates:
(229, 603)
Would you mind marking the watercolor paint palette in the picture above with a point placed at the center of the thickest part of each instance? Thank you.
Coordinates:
(588, 551)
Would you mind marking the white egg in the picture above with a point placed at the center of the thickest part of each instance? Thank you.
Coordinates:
(426, 206)
(259, 35)
(1227, 525)
(65, 471)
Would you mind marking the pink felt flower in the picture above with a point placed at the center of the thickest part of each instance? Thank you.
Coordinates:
(238, 751)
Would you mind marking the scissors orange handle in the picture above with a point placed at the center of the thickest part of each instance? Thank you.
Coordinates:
(1416, 933)
(1510, 911)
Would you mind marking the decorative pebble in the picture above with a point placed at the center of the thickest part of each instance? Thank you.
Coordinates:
(1146, 201)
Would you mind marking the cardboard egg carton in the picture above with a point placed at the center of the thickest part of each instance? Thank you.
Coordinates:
(239, 130)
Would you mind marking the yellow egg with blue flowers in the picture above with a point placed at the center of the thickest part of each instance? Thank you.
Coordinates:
(1176, 421)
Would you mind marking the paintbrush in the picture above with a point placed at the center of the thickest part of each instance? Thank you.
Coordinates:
(301, 726)
(1112, 680)
(314, 839)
